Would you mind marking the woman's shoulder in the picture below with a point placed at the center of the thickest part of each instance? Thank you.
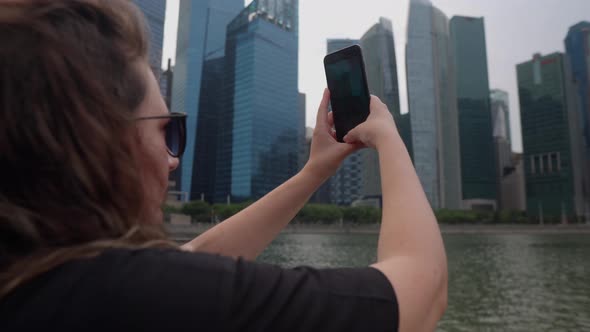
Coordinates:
(164, 276)
(148, 268)
(169, 259)
(136, 289)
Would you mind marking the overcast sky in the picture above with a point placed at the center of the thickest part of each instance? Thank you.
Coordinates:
(515, 30)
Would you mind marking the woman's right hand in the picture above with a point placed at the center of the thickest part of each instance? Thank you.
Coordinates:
(378, 129)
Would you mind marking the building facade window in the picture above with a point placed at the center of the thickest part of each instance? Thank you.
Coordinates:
(545, 160)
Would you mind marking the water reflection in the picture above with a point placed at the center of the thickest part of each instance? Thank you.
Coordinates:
(322, 250)
(496, 282)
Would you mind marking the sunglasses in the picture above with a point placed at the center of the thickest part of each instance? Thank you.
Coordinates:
(175, 132)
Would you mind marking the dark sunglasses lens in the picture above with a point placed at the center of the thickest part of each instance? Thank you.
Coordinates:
(173, 136)
(181, 135)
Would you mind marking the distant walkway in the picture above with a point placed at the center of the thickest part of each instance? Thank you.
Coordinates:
(515, 229)
(183, 233)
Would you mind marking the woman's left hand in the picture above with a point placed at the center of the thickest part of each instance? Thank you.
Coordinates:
(327, 153)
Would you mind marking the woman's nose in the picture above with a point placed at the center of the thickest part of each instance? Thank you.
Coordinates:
(172, 163)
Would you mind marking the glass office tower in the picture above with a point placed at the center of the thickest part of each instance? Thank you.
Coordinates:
(479, 176)
(449, 156)
(500, 106)
(258, 142)
(432, 105)
(421, 98)
(198, 72)
(155, 14)
(577, 44)
(381, 66)
(501, 133)
(303, 153)
(552, 139)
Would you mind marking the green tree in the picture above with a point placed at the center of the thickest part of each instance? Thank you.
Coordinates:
(224, 211)
(511, 217)
(168, 209)
(198, 211)
(319, 213)
(445, 216)
(361, 215)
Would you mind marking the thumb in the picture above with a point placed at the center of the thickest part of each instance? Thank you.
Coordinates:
(322, 116)
(349, 148)
(353, 135)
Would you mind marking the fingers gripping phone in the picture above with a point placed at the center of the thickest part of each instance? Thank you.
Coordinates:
(349, 92)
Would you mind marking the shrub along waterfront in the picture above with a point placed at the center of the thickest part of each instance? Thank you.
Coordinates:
(202, 212)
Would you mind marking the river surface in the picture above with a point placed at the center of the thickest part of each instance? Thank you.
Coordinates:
(496, 282)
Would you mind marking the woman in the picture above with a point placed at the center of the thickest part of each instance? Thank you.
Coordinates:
(86, 145)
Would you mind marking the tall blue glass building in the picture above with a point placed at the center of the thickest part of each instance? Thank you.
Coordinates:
(577, 45)
(258, 141)
(303, 153)
(381, 67)
(478, 160)
(199, 71)
(155, 14)
(505, 165)
(500, 107)
(335, 44)
(433, 105)
(551, 138)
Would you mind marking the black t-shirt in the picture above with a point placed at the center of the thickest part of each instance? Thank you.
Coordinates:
(169, 290)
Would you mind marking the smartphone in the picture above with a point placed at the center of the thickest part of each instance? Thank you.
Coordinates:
(349, 92)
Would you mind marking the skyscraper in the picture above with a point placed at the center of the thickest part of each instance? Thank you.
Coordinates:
(166, 80)
(381, 67)
(449, 148)
(500, 105)
(346, 185)
(577, 45)
(551, 136)
(258, 148)
(155, 14)
(302, 147)
(513, 196)
(479, 176)
(505, 161)
(322, 194)
(335, 44)
(432, 105)
(198, 76)
(380, 63)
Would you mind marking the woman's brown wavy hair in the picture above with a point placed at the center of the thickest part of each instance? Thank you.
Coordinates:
(70, 83)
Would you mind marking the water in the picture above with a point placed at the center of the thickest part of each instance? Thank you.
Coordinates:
(496, 282)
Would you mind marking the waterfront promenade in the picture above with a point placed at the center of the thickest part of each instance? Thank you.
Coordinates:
(183, 233)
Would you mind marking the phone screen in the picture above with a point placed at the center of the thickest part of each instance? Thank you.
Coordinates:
(349, 94)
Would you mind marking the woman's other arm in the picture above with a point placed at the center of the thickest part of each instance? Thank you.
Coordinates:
(249, 232)
(410, 251)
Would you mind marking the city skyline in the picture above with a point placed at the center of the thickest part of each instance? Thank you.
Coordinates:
(447, 90)
(511, 38)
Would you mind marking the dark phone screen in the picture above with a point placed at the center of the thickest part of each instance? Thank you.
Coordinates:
(348, 93)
